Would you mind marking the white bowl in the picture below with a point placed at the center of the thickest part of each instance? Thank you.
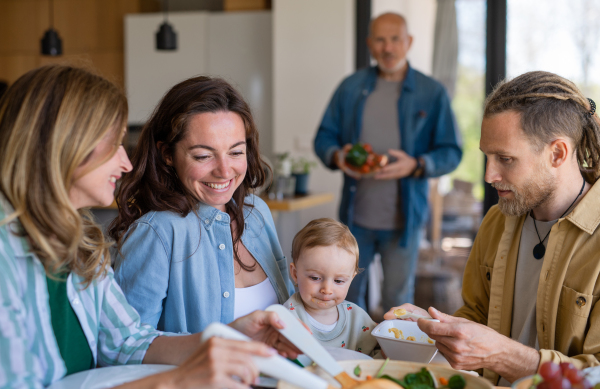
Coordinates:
(421, 350)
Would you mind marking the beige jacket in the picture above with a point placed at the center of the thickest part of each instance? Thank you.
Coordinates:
(568, 321)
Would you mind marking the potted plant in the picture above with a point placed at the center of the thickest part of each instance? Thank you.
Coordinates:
(301, 168)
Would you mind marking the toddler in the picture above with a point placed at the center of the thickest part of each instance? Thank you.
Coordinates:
(325, 260)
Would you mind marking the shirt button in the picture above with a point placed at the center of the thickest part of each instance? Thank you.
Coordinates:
(226, 294)
(206, 221)
(218, 217)
(76, 301)
(221, 246)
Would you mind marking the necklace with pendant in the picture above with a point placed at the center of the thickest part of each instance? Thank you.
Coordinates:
(540, 250)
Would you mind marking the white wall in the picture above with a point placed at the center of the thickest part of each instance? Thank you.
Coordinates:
(420, 16)
(149, 73)
(313, 50)
(236, 46)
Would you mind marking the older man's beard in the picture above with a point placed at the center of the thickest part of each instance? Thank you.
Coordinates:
(538, 190)
(396, 67)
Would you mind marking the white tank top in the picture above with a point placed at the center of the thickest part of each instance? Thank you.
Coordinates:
(254, 298)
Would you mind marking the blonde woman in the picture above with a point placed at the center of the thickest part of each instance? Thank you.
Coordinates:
(60, 309)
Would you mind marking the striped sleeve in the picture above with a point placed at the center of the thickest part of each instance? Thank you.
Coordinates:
(19, 367)
(122, 339)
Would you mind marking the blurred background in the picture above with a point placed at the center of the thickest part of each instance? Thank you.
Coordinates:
(288, 56)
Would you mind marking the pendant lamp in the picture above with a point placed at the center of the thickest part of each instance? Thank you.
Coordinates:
(51, 42)
(166, 37)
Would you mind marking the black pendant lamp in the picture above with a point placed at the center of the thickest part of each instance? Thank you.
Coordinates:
(51, 42)
(166, 37)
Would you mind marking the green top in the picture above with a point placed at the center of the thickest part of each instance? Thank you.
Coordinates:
(72, 343)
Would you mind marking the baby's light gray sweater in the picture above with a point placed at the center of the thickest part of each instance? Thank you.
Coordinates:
(352, 331)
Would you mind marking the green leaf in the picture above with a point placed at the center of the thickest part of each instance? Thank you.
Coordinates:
(457, 382)
(357, 370)
(399, 382)
(357, 155)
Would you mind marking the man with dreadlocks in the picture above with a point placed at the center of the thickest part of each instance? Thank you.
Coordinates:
(531, 282)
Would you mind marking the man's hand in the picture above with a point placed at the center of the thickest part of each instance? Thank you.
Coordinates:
(469, 346)
(389, 315)
(402, 167)
(339, 159)
(262, 326)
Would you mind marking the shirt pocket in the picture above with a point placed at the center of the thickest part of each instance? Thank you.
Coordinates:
(572, 319)
(574, 303)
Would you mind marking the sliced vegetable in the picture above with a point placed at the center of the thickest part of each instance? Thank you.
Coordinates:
(387, 377)
(457, 382)
(443, 381)
(357, 370)
(380, 371)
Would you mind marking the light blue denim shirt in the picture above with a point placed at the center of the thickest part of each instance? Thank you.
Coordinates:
(178, 271)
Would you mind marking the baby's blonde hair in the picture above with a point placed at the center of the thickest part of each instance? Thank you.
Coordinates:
(325, 232)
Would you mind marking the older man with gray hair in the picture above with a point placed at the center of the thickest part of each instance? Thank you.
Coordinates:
(402, 113)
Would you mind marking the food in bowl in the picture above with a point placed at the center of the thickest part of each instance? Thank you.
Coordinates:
(423, 379)
(420, 348)
(396, 369)
(399, 335)
(363, 160)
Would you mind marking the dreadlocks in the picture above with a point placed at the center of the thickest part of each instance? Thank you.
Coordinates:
(551, 106)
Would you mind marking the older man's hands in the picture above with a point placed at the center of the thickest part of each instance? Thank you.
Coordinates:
(402, 167)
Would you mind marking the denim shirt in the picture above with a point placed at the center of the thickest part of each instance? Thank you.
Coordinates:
(427, 129)
(177, 272)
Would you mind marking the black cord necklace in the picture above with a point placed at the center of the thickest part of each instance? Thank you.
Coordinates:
(540, 250)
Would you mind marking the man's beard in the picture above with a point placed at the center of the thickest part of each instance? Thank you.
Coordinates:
(396, 67)
(537, 191)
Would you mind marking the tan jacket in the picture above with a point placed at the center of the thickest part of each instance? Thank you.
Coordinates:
(568, 321)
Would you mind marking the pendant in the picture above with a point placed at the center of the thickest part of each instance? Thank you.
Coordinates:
(539, 250)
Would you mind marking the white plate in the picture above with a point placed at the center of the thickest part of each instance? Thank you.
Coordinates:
(108, 377)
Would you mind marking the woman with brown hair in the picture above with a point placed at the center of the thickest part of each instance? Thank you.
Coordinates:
(194, 245)
(60, 309)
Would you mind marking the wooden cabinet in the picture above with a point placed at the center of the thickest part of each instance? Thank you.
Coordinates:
(91, 33)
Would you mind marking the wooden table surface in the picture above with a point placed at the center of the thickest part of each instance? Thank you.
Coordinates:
(298, 203)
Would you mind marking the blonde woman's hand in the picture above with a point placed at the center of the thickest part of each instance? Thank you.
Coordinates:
(218, 363)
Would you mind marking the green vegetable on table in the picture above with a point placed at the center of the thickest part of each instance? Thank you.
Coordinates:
(357, 370)
(357, 155)
(424, 380)
(457, 382)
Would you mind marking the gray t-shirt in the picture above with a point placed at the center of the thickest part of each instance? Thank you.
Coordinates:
(377, 204)
(527, 278)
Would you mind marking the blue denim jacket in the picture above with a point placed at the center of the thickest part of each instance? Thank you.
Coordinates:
(427, 129)
(177, 272)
